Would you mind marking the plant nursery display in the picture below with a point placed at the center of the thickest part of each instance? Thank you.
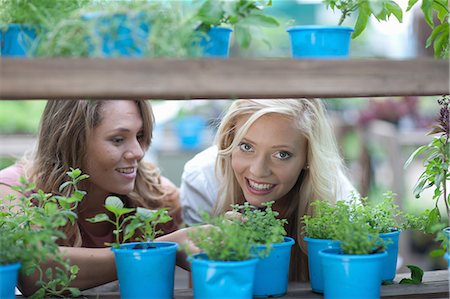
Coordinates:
(136, 261)
(270, 244)
(29, 232)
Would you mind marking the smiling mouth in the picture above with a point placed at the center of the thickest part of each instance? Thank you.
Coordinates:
(259, 187)
(128, 170)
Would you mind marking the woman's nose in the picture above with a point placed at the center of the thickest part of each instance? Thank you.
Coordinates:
(260, 167)
(135, 151)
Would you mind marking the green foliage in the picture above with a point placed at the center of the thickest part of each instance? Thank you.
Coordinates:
(264, 226)
(223, 239)
(416, 275)
(380, 9)
(140, 225)
(322, 224)
(242, 15)
(29, 230)
(439, 36)
(20, 116)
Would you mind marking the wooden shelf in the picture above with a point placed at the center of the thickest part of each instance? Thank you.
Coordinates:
(216, 79)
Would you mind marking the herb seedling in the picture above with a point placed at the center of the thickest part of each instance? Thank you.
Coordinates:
(141, 225)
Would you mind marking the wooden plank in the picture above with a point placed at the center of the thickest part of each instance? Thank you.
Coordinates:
(215, 79)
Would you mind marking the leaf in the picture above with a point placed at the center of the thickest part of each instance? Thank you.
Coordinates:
(243, 36)
(416, 275)
(114, 201)
(395, 9)
(260, 20)
(415, 154)
(363, 19)
(411, 4)
(427, 10)
(98, 218)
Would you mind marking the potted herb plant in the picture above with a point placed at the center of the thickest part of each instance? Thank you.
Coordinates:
(24, 23)
(436, 174)
(317, 41)
(226, 266)
(242, 16)
(320, 233)
(354, 270)
(145, 268)
(271, 245)
(28, 232)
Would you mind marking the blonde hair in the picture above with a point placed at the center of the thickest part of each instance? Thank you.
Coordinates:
(63, 132)
(319, 181)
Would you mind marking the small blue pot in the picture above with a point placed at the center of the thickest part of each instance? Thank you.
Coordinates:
(217, 42)
(222, 279)
(314, 261)
(8, 280)
(272, 271)
(390, 263)
(319, 42)
(190, 131)
(17, 40)
(117, 35)
(447, 255)
(351, 276)
(146, 273)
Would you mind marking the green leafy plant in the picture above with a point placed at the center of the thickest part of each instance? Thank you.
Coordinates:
(439, 36)
(381, 10)
(29, 231)
(321, 225)
(263, 224)
(242, 15)
(223, 239)
(139, 224)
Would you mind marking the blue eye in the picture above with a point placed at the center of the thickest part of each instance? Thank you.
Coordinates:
(245, 147)
(283, 155)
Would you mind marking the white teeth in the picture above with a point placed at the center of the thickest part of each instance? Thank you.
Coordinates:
(257, 186)
(126, 170)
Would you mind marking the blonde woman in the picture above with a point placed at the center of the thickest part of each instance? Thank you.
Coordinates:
(268, 150)
(106, 140)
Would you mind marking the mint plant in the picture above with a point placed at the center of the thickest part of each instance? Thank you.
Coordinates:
(380, 9)
(242, 15)
(130, 223)
(222, 239)
(263, 224)
(29, 231)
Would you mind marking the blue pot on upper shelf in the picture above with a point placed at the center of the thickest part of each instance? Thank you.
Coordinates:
(17, 40)
(320, 42)
(118, 34)
(216, 43)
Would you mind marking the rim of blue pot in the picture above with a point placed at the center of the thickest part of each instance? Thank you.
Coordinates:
(393, 232)
(288, 241)
(447, 230)
(162, 246)
(202, 258)
(315, 240)
(336, 254)
(220, 28)
(319, 27)
(10, 266)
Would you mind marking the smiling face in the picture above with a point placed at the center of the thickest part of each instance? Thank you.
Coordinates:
(114, 149)
(269, 159)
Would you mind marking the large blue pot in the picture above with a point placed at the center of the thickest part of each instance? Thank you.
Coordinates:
(17, 40)
(314, 260)
(216, 43)
(272, 271)
(117, 35)
(318, 42)
(390, 263)
(8, 280)
(190, 131)
(222, 279)
(351, 276)
(146, 273)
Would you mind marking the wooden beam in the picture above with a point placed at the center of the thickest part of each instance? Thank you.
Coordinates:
(216, 79)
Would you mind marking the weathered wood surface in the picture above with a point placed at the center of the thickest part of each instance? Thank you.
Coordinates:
(215, 79)
(435, 285)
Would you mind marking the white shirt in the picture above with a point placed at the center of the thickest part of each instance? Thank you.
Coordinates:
(199, 186)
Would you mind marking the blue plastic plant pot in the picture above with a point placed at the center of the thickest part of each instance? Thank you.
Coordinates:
(351, 276)
(17, 40)
(146, 273)
(190, 130)
(390, 263)
(320, 42)
(8, 280)
(314, 260)
(272, 271)
(117, 35)
(222, 279)
(217, 42)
